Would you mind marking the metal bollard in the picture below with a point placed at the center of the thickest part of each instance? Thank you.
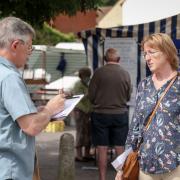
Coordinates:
(66, 157)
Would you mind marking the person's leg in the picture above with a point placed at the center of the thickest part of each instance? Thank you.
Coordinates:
(174, 175)
(119, 150)
(119, 131)
(86, 136)
(102, 161)
(100, 137)
(87, 152)
(79, 154)
(79, 129)
(143, 176)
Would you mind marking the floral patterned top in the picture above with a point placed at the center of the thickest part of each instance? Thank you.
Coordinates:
(160, 150)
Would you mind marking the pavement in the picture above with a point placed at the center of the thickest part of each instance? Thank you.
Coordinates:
(47, 145)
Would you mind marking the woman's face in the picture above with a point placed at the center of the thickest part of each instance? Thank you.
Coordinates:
(154, 58)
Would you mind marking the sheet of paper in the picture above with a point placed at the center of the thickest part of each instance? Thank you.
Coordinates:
(119, 161)
(69, 106)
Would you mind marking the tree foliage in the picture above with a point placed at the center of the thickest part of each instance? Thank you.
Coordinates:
(109, 2)
(38, 11)
(49, 36)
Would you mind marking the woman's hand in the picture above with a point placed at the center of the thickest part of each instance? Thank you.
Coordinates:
(119, 175)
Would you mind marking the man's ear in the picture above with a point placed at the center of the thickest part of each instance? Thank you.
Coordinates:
(14, 45)
(118, 59)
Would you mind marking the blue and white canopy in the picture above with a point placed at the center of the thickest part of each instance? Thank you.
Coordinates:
(94, 39)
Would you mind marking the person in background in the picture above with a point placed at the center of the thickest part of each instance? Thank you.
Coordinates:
(82, 116)
(159, 154)
(109, 91)
(20, 121)
(62, 65)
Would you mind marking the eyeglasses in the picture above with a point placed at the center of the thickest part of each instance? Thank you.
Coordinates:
(150, 54)
(30, 47)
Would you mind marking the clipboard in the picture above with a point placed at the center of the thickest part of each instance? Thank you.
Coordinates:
(70, 104)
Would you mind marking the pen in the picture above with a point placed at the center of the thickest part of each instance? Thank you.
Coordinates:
(71, 97)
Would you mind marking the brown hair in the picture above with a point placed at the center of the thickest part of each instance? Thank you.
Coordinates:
(164, 43)
(84, 72)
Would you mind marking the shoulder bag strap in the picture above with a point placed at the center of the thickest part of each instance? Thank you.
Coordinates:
(155, 108)
(157, 105)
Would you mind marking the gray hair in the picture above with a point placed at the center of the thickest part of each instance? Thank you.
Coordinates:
(12, 28)
(112, 54)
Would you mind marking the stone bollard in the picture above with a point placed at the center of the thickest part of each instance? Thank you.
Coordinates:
(66, 157)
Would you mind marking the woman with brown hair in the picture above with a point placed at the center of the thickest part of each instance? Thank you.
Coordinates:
(159, 153)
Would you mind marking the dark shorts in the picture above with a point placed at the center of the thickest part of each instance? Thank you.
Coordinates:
(109, 129)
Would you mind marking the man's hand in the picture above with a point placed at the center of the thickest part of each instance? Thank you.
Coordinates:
(56, 104)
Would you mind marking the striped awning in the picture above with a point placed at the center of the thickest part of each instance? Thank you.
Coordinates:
(94, 39)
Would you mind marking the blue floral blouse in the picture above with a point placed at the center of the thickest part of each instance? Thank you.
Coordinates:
(160, 150)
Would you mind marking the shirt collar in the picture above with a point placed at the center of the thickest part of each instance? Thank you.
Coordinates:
(8, 64)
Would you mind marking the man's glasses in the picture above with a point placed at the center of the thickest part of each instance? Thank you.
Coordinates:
(30, 47)
(150, 54)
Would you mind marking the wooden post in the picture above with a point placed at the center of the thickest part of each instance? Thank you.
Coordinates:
(66, 157)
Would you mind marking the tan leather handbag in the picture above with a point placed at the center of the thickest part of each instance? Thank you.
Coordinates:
(131, 167)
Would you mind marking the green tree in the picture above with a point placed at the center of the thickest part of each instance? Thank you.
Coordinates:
(49, 36)
(38, 11)
(109, 2)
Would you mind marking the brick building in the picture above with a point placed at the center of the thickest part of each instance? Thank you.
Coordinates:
(81, 21)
